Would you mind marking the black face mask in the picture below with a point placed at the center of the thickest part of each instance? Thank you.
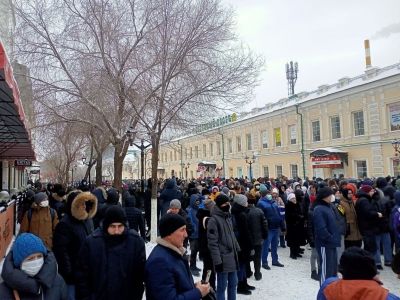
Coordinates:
(114, 240)
(225, 208)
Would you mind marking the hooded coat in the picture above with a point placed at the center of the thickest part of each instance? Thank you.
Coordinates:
(50, 283)
(195, 201)
(108, 271)
(367, 214)
(169, 193)
(134, 216)
(72, 230)
(326, 231)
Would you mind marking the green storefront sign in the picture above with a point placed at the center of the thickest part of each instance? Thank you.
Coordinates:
(217, 123)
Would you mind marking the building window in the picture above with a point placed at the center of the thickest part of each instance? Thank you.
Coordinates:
(361, 168)
(249, 142)
(211, 149)
(239, 172)
(239, 143)
(396, 167)
(358, 119)
(293, 134)
(170, 155)
(204, 150)
(230, 148)
(196, 151)
(218, 148)
(265, 171)
(175, 155)
(264, 139)
(277, 137)
(186, 153)
(294, 171)
(316, 131)
(191, 152)
(394, 113)
(279, 171)
(335, 127)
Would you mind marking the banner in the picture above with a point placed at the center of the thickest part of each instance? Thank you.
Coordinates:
(328, 161)
(6, 228)
(394, 116)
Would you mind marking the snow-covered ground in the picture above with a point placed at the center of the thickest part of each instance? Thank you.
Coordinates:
(293, 281)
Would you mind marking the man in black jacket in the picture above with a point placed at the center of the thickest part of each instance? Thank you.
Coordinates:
(111, 261)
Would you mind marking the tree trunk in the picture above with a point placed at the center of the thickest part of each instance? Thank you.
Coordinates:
(154, 187)
(119, 155)
(99, 169)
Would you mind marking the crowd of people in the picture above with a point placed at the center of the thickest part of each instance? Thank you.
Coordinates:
(90, 244)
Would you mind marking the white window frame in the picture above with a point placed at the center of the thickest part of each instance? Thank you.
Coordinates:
(313, 137)
(276, 170)
(249, 142)
(239, 143)
(291, 141)
(356, 167)
(264, 139)
(356, 128)
(334, 128)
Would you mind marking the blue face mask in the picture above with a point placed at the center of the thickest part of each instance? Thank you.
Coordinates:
(269, 197)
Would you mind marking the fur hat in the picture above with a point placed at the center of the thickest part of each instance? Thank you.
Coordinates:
(240, 199)
(26, 244)
(114, 214)
(74, 205)
(366, 188)
(357, 264)
(175, 203)
(324, 192)
(221, 199)
(169, 223)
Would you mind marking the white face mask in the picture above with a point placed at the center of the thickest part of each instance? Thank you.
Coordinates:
(333, 198)
(44, 203)
(32, 267)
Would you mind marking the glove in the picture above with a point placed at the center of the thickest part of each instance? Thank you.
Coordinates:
(218, 268)
(252, 252)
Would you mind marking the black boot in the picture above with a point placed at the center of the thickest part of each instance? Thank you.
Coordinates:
(241, 289)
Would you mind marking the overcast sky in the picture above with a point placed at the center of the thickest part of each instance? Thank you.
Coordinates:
(325, 37)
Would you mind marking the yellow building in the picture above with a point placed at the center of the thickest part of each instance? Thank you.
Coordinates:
(348, 128)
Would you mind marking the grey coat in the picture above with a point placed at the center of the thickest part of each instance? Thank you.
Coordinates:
(47, 284)
(222, 242)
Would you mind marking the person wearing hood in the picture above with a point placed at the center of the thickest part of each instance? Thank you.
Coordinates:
(57, 199)
(214, 192)
(169, 193)
(295, 224)
(195, 201)
(326, 233)
(395, 220)
(134, 216)
(25, 204)
(368, 218)
(30, 272)
(111, 261)
(40, 219)
(111, 200)
(353, 237)
(224, 248)
(360, 280)
(71, 232)
(167, 273)
(255, 191)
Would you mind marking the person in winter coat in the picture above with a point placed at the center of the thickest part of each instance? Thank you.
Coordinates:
(25, 204)
(111, 200)
(360, 280)
(169, 193)
(175, 207)
(395, 220)
(167, 273)
(314, 262)
(294, 225)
(30, 272)
(281, 206)
(111, 261)
(203, 215)
(101, 195)
(57, 199)
(340, 220)
(242, 232)
(326, 233)
(134, 216)
(368, 218)
(71, 232)
(195, 201)
(40, 219)
(275, 222)
(224, 248)
(353, 237)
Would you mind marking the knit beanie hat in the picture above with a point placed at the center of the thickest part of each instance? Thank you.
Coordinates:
(169, 223)
(209, 204)
(240, 199)
(114, 214)
(26, 244)
(225, 190)
(221, 199)
(366, 188)
(324, 192)
(357, 264)
(263, 189)
(39, 197)
(175, 203)
(291, 196)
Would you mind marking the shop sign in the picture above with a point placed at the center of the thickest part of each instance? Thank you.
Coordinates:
(23, 162)
(328, 161)
(217, 122)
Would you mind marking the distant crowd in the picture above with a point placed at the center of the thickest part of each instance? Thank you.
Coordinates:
(89, 242)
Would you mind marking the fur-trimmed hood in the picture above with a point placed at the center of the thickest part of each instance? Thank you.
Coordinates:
(87, 211)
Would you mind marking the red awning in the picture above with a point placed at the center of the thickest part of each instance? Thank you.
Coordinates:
(15, 141)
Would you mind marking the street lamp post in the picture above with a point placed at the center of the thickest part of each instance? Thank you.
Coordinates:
(130, 133)
(396, 147)
(87, 164)
(250, 161)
